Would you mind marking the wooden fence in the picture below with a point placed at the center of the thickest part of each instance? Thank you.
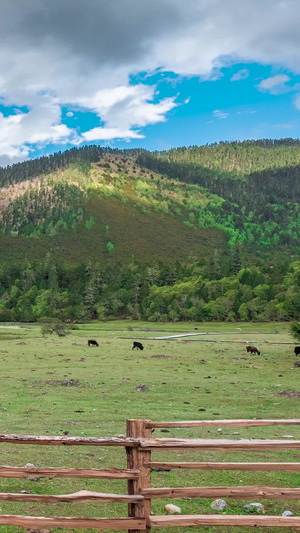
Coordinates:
(138, 445)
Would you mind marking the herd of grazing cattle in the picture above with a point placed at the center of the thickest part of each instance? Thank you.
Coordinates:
(135, 344)
(139, 346)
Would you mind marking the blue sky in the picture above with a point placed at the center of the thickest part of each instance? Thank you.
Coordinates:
(233, 106)
(225, 108)
(151, 74)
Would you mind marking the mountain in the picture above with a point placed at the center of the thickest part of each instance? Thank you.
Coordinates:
(108, 210)
(198, 233)
(183, 203)
(257, 184)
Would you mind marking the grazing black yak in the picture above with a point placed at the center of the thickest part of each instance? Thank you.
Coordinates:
(252, 349)
(93, 343)
(137, 345)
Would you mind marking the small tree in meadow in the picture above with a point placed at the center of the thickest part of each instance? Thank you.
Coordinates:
(53, 325)
(110, 247)
(295, 330)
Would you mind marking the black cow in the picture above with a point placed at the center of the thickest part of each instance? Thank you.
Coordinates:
(297, 350)
(93, 343)
(252, 349)
(137, 345)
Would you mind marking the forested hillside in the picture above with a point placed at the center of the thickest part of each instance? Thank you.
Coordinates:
(257, 182)
(215, 290)
(199, 233)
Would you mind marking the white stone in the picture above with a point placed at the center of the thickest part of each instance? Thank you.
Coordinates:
(287, 513)
(255, 507)
(172, 509)
(219, 505)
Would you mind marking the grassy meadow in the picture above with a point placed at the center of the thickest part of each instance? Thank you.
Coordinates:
(187, 380)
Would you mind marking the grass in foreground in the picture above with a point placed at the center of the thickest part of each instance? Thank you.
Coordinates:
(229, 384)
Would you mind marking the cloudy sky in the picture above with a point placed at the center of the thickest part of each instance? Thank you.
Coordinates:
(148, 73)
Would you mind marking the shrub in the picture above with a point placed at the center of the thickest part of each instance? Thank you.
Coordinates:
(295, 330)
(53, 325)
(110, 247)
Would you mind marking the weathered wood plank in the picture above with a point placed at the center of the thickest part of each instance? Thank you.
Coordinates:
(258, 467)
(78, 497)
(69, 441)
(68, 522)
(218, 423)
(261, 492)
(91, 473)
(223, 520)
(220, 444)
(136, 457)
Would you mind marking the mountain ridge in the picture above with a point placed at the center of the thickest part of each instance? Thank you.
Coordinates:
(101, 234)
(153, 206)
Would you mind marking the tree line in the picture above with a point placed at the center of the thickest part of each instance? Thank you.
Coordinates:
(216, 290)
(27, 170)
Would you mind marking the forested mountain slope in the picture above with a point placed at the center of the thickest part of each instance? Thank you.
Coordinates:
(258, 182)
(111, 210)
(248, 191)
(200, 233)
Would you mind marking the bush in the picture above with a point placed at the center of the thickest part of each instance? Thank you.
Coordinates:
(110, 247)
(295, 330)
(53, 325)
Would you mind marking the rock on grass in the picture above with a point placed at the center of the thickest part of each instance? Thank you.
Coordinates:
(254, 508)
(219, 505)
(172, 509)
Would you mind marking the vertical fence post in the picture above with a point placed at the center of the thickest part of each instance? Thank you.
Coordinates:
(136, 457)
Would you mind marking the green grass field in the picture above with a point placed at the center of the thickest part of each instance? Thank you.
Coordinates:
(187, 380)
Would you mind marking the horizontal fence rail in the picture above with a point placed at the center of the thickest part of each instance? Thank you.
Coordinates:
(70, 441)
(82, 496)
(229, 492)
(229, 520)
(89, 473)
(86, 523)
(138, 445)
(255, 467)
(218, 423)
(220, 444)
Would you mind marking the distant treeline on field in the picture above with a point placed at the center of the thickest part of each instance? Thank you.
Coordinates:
(221, 291)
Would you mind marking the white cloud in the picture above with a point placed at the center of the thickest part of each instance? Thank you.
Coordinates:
(107, 134)
(218, 113)
(252, 112)
(285, 126)
(240, 75)
(40, 125)
(69, 114)
(125, 107)
(82, 55)
(274, 84)
(297, 101)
